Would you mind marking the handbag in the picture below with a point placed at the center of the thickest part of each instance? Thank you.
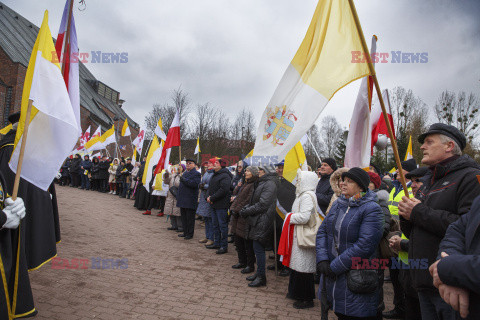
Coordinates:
(359, 281)
(174, 189)
(307, 233)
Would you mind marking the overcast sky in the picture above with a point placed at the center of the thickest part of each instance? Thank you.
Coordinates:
(233, 53)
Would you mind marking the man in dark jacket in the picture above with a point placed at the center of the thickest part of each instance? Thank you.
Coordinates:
(456, 273)
(86, 167)
(324, 191)
(103, 173)
(448, 192)
(218, 195)
(75, 171)
(285, 199)
(187, 198)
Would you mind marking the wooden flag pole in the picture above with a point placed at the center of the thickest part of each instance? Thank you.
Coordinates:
(379, 93)
(22, 151)
(180, 153)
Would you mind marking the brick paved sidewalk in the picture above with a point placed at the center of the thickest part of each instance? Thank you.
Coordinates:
(167, 277)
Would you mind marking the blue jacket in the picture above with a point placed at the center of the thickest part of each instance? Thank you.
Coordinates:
(188, 189)
(86, 164)
(461, 267)
(204, 208)
(360, 233)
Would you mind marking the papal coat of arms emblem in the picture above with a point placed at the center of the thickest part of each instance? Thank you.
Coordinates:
(280, 123)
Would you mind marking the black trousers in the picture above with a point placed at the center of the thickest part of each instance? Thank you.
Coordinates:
(398, 292)
(301, 286)
(188, 221)
(75, 179)
(245, 252)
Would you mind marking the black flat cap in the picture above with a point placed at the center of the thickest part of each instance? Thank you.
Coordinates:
(446, 130)
(191, 160)
(409, 165)
(14, 117)
(417, 173)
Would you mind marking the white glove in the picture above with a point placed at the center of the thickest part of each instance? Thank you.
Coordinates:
(13, 220)
(17, 207)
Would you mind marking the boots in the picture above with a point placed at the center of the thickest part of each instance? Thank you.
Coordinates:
(260, 281)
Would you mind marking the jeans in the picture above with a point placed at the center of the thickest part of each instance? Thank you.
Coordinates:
(126, 186)
(209, 228)
(434, 308)
(220, 227)
(85, 181)
(259, 250)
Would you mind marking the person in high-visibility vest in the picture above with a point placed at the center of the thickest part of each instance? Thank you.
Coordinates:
(395, 197)
(412, 305)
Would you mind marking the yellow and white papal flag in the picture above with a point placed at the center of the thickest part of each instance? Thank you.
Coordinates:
(322, 65)
(53, 129)
(197, 148)
(409, 154)
(125, 129)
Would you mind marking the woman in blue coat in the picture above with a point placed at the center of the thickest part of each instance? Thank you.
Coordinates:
(351, 230)
(204, 209)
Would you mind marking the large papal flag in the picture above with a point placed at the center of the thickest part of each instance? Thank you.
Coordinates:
(53, 129)
(153, 156)
(322, 65)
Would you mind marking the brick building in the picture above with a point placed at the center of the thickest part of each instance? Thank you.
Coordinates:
(100, 105)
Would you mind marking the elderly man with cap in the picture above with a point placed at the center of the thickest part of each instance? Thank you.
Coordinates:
(218, 195)
(324, 191)
(187, 198)
(395, 197)
(448, 192)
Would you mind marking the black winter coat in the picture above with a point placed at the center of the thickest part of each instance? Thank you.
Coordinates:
(259, 214)
(324, 192)
(103, 170)
(447, 194)
(219, 189)
(65, 167)
(187, 196)
(462, 244)
(75, 166)
(95, 170)
(119, 175)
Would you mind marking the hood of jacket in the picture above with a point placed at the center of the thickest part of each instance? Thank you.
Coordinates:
(306, 181)
(223, 171)
(335, 178)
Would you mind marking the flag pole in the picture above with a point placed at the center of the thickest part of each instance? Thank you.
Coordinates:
(22, 151)
(379, 93)
(67, 39)
(314, 149)
(180, 153)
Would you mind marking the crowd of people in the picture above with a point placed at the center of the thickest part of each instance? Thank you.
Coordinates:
(340, 227)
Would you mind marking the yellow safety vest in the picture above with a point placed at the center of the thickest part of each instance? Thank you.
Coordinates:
(393, 201)
(402, 254)
(393, 207)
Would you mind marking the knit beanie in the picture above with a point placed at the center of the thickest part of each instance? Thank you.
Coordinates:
(331, 162)
(358, 175)
(253, 170)
(375, 179)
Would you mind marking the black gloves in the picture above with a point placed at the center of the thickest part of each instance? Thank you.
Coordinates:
(323, 267)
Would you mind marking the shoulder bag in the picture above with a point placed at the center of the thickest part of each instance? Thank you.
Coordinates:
(307, 233)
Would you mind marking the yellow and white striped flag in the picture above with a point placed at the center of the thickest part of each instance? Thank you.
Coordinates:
(53, 129)
(322, 66)
(125, 129)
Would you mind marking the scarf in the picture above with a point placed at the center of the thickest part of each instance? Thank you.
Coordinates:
(286, 241)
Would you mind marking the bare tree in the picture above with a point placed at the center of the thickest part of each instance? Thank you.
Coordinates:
(460, 111)
(167, 113)
(204, 121)
(330, 133)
